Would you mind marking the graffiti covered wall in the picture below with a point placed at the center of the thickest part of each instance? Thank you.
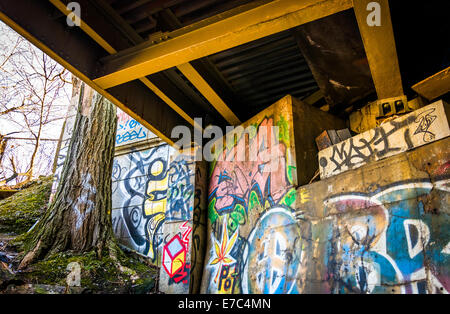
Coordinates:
(139, 198)
(253, 235)
(404, 133)
(139, 188)
(184, 228)
(380, 229)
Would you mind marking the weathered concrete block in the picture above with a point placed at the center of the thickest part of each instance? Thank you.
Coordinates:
(139, 191)
(382, 228)
(418, 128)
(129, 131)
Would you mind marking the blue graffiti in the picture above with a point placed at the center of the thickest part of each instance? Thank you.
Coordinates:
(125, 132)
(388, 242)
(273, 254)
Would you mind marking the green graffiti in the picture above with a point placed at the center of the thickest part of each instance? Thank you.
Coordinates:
(290, 173)
(283, 131)
(232, 225)
(253, 202)
(289, 199)
(237, 217)
(212, 214)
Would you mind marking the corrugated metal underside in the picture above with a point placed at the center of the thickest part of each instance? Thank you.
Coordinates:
(248, 78)
(263, 71)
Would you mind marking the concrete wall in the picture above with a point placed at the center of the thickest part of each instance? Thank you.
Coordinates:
(382, 228)
(159, 205)
(139, 198)
(406, 132)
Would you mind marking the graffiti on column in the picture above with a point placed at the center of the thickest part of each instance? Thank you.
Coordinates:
(181, 190)
(178, 235)
(175, 256)
(198, 227)
(249, 204)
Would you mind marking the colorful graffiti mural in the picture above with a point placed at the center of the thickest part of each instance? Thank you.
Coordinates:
(249, 203)
(175, 255)
(232, 183)
(184, 226)
(139, 199)
(388, 243)
(267, 237)
(222, 251)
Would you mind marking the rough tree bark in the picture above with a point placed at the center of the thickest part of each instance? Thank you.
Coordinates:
(78, 219)
(3, 142)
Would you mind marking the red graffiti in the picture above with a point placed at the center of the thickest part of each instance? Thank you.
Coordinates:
(175, 255)
(233, 180)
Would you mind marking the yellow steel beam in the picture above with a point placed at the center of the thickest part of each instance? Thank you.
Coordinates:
(196, 78)
(24, 33)
(105, 45)
(168, 101)
(435, 85)
(229, 32)
(379, 44)
(88, 30)
(203, 87)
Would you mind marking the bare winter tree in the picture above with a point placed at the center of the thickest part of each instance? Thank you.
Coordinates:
(34, 92)
(32, 88)
(78, 218)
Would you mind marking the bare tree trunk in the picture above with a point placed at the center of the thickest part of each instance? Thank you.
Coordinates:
(79, 217)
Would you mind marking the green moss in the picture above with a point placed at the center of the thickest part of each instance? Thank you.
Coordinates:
(97, 275)
(39, 290)
(19, 212)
